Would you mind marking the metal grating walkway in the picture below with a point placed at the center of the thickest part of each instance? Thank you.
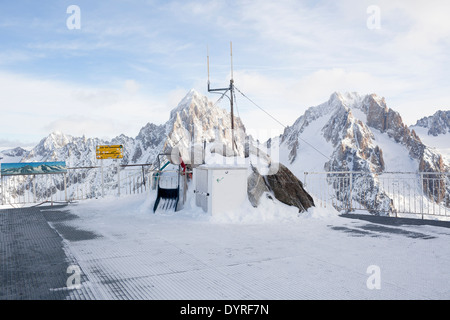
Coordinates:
(32, 259)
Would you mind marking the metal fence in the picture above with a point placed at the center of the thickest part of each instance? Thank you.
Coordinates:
(81, 183)
(412, 194)
(423, 195)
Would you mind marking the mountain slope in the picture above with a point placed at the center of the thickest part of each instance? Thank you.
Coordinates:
(434, 131)
(194, 120)
(12, 155)
(349, 132)
(358, 133)
(438, 123)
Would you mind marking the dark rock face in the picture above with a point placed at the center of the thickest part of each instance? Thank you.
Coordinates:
(289, 190)
(283, 185)
(388, 121)
(353, 140)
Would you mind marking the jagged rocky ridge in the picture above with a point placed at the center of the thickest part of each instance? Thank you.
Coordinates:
(195, 120)
(347, 124)
(438, 123)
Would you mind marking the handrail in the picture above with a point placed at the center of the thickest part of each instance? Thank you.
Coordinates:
(376, 173)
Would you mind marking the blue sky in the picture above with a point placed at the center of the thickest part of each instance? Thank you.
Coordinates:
(132, 61)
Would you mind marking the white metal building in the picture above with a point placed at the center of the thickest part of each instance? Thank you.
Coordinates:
(220, 188)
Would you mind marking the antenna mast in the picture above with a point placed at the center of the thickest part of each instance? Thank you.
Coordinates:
(230, 88)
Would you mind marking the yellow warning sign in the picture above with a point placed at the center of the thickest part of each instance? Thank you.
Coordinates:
(109, 152)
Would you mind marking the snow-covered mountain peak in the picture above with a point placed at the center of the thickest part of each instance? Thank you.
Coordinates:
(197, 119)
(357, 101)
(358, 133)
(349, 99)
(192, 102)
(56, 139)
(193, 120)
(346, 122)
(16, 152)
(437, 124)
(12, 155)
(434, 131)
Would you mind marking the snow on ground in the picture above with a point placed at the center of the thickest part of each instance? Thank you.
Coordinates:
(271, 252)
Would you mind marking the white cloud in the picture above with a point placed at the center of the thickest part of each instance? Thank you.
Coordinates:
(34, 107)
(288, 55)
(79, 125)
(132, 86)
(287, 99)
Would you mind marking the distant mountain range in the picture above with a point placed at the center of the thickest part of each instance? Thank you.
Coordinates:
(349, 132)
(350, 121)
(194, 120)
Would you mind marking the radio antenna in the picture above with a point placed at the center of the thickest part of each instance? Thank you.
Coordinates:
(231, 58)
(207, 59)
(224, 90)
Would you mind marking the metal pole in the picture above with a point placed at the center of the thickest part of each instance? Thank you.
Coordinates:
(143, 178)
(103, 185)
(118, 178)
(351, 189)
(51, 190)
(422, 193)
(65, 186)
(34, 188)
(3, 191)
(232, 114)
(231, 96)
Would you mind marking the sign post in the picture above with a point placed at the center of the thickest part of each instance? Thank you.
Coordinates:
(103, 182)
(118, 179)
(109, 152)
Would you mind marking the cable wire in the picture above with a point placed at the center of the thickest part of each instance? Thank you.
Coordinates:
(254, 103)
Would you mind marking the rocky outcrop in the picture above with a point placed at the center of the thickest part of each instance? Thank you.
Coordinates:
(283, 185)
(438, 123)
(390, 122)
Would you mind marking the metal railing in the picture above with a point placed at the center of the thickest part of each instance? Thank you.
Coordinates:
(420, 194)
(81, 183)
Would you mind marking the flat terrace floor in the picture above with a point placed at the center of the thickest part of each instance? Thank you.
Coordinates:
(33, 264)
(139, 255)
